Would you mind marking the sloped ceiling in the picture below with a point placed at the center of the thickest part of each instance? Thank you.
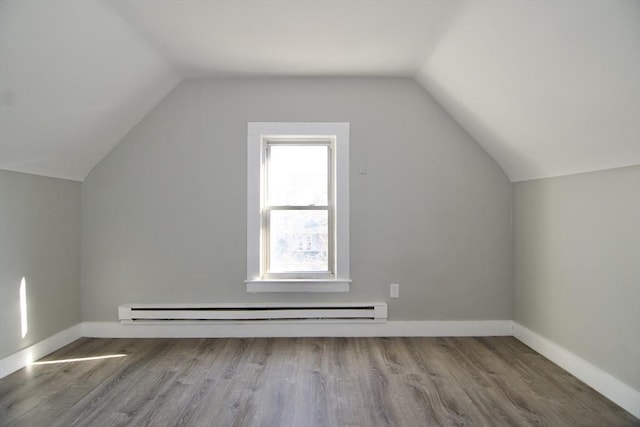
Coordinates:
(546, 87)
(74, 79)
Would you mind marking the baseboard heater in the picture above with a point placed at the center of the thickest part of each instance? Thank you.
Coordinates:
(188, 313)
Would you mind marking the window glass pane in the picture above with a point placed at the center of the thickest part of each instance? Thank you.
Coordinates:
(299, 241)
(297, 175)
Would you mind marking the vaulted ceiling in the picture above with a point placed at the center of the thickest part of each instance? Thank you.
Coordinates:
(548, 88)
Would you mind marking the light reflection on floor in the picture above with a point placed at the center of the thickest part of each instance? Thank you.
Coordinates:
(78, 359)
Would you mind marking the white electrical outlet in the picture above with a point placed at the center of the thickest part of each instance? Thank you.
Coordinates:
(394, 290)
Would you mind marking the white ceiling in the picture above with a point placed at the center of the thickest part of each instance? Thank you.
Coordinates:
(74, 79)
(546, 87)
(327, 37)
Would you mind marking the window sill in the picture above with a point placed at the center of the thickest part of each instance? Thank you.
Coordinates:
(297, 285)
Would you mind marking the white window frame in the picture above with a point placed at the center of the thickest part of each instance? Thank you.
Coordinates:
(258, 134)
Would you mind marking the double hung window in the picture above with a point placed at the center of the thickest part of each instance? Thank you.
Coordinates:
(298, 207)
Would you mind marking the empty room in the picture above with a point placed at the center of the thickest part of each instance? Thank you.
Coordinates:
(319, 213)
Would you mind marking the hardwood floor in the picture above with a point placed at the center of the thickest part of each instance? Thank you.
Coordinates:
(302, 382)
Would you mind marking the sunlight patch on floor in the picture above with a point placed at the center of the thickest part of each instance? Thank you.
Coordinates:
(78, 359)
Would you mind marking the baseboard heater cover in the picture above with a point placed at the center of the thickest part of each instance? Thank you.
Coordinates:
(177, 313)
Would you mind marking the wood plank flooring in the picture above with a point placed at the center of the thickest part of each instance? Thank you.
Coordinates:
(285, 382)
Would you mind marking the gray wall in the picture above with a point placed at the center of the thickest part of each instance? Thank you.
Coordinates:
(40, 240)
(164, 214)
(577, 265)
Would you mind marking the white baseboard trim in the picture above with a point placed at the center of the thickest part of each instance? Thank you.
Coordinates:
(24, 357)
(605, 384)
(32, 353)
(298, 329)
